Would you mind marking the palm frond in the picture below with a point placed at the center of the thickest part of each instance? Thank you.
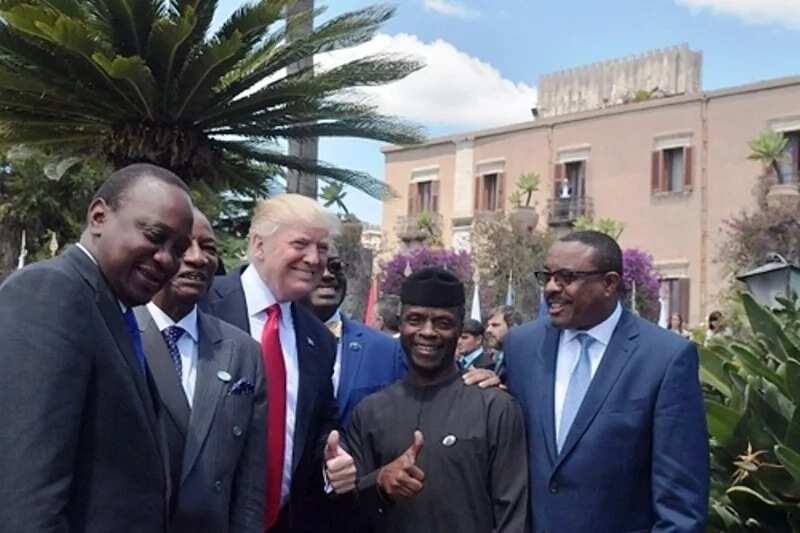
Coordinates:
(129, 23)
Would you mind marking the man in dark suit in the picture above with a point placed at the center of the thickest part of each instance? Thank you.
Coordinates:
(366, 360)
(613, 407)
(211, 382)
(469, 351)
(81, 447)
(287, 249)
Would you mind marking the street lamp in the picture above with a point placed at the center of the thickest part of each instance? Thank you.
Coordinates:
(775, 278)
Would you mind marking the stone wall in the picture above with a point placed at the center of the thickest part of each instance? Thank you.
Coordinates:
(653, 74)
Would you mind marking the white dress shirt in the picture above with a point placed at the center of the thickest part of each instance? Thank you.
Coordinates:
(187, 345)
(337, 365)
(258, 298)
(569, 349)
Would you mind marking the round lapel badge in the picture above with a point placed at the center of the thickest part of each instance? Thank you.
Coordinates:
(223, 376)
(449, 440)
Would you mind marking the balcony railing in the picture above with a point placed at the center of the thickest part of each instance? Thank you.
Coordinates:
(567, 210)
(412, 227)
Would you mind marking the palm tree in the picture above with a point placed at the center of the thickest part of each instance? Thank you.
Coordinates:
(769, 149)
(333, 193)
(146, 80)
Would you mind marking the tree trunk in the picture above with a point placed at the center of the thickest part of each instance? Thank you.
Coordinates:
(296, 181)
(9, 249)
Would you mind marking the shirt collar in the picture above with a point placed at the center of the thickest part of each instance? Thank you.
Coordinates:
(188, 323)
(601, 332)
(259, 295)
(472, 356)
(337, 317)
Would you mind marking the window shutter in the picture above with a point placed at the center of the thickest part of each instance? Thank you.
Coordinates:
(435, 196)
(584, 177)
(558, 177)
(655, 173)
(477, 200)
(687, 168)
(683, 288)
(412, 199)
(501, 181)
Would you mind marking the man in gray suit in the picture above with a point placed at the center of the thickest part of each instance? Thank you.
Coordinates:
(81, 448)
(211, 382)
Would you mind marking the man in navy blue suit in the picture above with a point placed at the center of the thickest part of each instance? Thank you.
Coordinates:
(366, 360)
(613, 407)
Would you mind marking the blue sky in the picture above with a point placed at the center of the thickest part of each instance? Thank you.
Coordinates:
(485, 56)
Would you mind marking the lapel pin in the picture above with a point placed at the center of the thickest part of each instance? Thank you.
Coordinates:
(355, 346)
(449, 440)
(223, 376)
(309, 341)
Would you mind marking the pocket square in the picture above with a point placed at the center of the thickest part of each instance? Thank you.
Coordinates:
(241, 387)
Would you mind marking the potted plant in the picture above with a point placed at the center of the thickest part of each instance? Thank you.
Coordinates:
(523, 216)
(333, 193)
(769, 148)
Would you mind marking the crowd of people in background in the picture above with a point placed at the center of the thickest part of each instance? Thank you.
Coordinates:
(150, 395)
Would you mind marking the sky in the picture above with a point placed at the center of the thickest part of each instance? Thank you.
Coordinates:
(483, 57)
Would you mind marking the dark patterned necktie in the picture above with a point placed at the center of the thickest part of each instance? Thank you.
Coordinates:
(136, 337)
(171, 336)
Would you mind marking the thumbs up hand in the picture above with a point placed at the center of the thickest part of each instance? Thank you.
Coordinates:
(339, 466)
(402, 478)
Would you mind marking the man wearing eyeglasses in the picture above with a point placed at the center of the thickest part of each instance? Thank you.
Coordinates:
(366, 360)
(613, 407)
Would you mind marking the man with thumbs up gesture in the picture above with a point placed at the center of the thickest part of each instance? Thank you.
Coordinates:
(432, 453)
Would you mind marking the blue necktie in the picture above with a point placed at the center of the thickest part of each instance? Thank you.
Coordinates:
(576, 389)
(171, 336)
(136, 336)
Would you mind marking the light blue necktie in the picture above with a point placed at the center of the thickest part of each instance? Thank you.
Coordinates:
(576, 389)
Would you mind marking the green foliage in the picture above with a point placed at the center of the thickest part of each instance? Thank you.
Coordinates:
(768, 149)
(527, 184)
(428, 225)
(333, 193)
(146, 80)
(609, 226)
(752, 385)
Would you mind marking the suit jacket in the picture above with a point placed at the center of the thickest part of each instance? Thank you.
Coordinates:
(81, 447)
(317, 413)
(217, 447)
(636, 456)
(370, 361)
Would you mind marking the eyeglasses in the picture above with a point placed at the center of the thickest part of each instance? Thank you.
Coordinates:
(335, 265)
(565, 277)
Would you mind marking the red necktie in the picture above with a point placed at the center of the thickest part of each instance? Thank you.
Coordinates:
(275, 370)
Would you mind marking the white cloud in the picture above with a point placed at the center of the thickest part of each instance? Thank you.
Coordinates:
(782, 12)
(453, 90)
(451, 8)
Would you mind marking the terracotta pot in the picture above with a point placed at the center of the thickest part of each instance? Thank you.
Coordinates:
(523, 219)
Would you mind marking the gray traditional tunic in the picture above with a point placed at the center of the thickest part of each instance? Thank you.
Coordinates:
(474, 458)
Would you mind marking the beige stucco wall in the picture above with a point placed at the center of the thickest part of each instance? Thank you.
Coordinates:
(681, 230)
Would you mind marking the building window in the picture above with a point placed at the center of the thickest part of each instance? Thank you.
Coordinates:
(790, 164)
(489, 192)
(423, 196)
(675, 292)
(672, 169)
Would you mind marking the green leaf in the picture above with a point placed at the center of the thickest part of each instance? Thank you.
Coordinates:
(134, 71)
(789, 459)
(741, 489)
(712, 370)
(168, 42)
(765, 324)
(27, 19)
(755, 365)
(722, 421)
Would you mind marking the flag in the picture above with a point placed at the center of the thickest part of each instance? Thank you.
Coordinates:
(372, 299)
(23, 251)
(510, 291)
(475, 314)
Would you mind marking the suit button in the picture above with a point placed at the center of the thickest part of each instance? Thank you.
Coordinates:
(554, 487)
(237, 431)
(218, 486)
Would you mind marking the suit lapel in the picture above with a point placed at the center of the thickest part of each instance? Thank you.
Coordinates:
(616, 356)
(163, 370)
(227, 301)
(307, 387)
(213, 355)
(352, 349)
(547, 390)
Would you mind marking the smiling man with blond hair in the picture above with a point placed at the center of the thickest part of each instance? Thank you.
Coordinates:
(288, 249)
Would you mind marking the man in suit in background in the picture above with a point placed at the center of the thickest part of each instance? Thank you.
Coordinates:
(469, 351)
(288, 248)
(81, 447)
(211, 382)
(613, 407)
(501, 319)
(366, 360)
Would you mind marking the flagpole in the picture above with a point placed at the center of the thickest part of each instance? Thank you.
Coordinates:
(23, 251)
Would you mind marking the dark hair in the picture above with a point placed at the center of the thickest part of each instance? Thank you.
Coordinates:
(511, 316)
(607, 253)
(669, 321)
(388, 308)
(714, 317)
(473, 327)
(120, 181)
